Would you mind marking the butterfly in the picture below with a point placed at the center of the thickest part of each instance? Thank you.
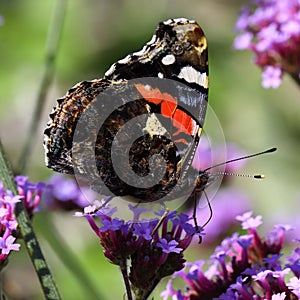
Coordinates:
(134, 132)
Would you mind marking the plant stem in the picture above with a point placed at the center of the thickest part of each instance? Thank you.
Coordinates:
(26, 230)
(68, 258)
(148, 293)
(296, 78)
(6, 175)
(52, 43)
(124, 272)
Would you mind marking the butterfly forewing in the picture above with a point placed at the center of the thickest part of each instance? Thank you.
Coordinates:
(159, 94)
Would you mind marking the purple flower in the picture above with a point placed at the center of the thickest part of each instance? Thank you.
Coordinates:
(279, 296)
(151, 249)
(293, 262)
(169, 291)
(294, 286)
(31, 193)
(271, 77)
(112, 225)
(7, 245)
(143, 230)
(168, 247)
(8, 223)
(252, 223)
(137, 211)
(272, 32)
(243, 41)
(243, 267)
(64, 193)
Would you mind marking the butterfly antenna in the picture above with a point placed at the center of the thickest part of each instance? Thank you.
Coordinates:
(259, 176)
(256, 176)
(244, 157)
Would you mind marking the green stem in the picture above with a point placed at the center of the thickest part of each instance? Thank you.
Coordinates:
(296, 78)
(26, 230)
(148, 292)
(53, 38)
(68, 258)
(6, 175)
(124, 272)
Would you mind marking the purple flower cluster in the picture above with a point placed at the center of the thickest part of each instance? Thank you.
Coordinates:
(244, 267)
(148, 249)
(64, 193)
(30, 194)
(8, 223)
(272, 32)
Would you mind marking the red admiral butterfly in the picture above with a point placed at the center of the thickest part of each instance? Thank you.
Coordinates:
(159, 95)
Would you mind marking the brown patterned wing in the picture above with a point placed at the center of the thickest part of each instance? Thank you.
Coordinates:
(60, 129)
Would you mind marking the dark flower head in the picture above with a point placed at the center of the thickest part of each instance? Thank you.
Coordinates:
(244, 267)
(153, 248)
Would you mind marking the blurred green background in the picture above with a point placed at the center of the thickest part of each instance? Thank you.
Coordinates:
(96, 34)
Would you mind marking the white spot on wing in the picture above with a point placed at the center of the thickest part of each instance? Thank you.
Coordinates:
(191, 75)
(178, 20)
(141, 52)
(152, 41)
(122, 61)
(125, 60)
(168, 59)
(160, 75)
(145, 49)
(168, 22)
(110, 70)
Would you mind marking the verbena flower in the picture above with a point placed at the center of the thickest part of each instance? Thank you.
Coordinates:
(272, 31)
(8, 223)
(30, 194)
(244, 266)
(145, 250)
(65, 194)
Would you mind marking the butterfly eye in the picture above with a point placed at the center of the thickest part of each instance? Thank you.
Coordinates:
(177, 49)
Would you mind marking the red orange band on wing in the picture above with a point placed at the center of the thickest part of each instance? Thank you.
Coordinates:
(181, 120)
